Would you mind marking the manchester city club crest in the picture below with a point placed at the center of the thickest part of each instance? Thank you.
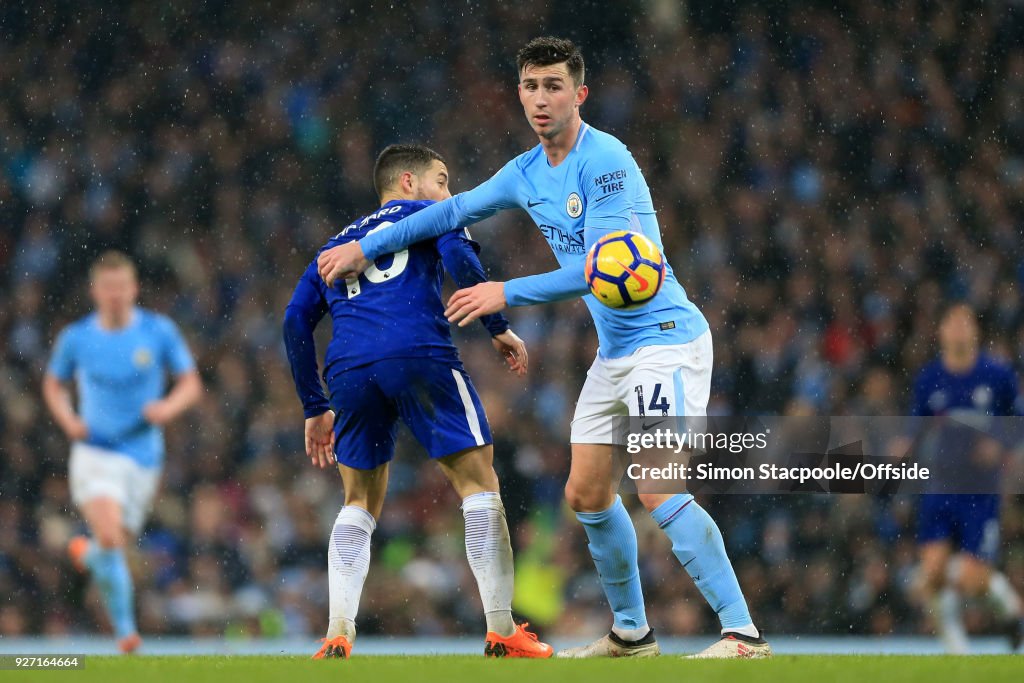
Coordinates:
(574, 205)
(142, 357)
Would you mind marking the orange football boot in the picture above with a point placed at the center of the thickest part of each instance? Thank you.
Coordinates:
(337, 647)
(129, 644)
(521, 643)
(77, 548)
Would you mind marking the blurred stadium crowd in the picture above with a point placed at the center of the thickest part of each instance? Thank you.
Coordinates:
(826, 176)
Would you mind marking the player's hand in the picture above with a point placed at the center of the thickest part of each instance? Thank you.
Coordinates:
(466, 305)
(158, 413)
(513, 349)
(320, 439)
(341, 262)
(75, 429)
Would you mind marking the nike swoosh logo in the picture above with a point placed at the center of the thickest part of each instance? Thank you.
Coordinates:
(532, 204)
(653, 424)
(644, 284)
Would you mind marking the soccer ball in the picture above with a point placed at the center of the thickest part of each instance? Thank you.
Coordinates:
(624, 269)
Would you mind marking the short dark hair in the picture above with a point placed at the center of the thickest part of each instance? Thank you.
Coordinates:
(396, 160)
(549, 50)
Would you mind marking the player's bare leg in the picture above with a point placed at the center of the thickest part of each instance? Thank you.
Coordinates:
(104, 556)
(939, 596)
(489, 551)
(594, 477)
(471, 471)
(978, 579)
(348, 555)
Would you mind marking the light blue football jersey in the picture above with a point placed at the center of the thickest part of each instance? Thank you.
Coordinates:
(598, 188)
(117, 372)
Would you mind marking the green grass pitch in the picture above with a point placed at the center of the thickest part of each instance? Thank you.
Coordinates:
(457, 669)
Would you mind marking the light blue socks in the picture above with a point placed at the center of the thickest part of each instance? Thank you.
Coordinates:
(110, 570)
(613, 547)
(697, 544)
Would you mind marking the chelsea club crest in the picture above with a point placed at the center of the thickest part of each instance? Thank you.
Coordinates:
(574, 205)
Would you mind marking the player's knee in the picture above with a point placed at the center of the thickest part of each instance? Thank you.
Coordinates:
(973, 579)
(110, 538)
(471, 471)
(587, 498)
(474, 485)
(931, 576)
(573, 497)
(478, 480)
(359, 498)
(651, 501)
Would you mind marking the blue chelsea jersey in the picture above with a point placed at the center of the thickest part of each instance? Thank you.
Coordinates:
(597, 189)
(971, 399)
(989, 388)
(393, 310)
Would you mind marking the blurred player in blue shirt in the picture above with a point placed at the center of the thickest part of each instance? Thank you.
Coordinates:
(963, 382)
(577, 185)
(391, 358)
(119, 358)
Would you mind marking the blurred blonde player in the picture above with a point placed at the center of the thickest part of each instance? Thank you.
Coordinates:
(119, 357)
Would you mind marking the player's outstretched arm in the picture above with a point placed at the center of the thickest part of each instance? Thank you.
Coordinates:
(466, 208)
(609, 208)
(568, 282)
(307, 307)
(466, 305)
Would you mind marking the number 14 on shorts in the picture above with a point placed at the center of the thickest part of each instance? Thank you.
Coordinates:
(657, 402)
